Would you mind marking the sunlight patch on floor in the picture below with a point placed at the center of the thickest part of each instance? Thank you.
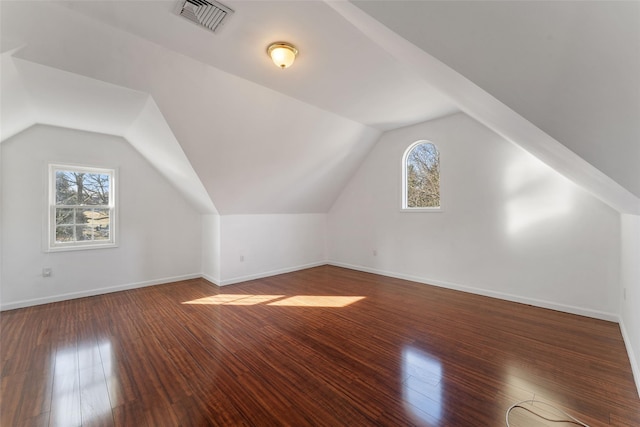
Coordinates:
(277, 300)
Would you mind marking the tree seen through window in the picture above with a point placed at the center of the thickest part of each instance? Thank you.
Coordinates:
(423, 176)
(82, 206)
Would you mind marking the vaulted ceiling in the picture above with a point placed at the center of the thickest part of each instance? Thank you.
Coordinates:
(572, 68)
(263, 140)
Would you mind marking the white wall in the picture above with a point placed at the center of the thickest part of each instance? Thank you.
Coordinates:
(630, 279)
(1, 227)
(159, 232)
(263, 245)
(511, 226)
(211, 248)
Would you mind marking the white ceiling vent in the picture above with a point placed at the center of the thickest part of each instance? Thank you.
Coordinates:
(207, 13)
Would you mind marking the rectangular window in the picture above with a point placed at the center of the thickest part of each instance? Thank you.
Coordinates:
(81, 207)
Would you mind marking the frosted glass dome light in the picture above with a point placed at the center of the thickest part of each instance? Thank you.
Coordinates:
(282, 54)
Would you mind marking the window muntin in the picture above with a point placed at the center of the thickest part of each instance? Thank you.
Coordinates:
(81, 207)
(421, 177)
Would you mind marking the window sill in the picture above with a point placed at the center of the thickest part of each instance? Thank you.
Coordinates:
(422, 210)
(76, 247)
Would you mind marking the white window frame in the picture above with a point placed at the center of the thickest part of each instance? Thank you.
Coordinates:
(404, 205)
(52, 245)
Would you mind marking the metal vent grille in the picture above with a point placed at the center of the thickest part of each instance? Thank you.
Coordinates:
(208, 13)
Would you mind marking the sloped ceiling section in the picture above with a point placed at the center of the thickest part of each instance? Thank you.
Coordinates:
(33, 93)
(338, 69)
(263, 140)
(16, 110)
(496, 115)
(572, 68)
(254, 149)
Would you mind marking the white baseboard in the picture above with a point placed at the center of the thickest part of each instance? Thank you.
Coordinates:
(99, 291)
(264, 274)
(612, 317)
(94, 292)
(214, 280)
(632, 358)
(220, 282)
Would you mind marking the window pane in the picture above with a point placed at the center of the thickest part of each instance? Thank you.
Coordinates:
(82, 215)
(64, 216)
(84, 232)
(101, 233)
(64, 233)
(79, 188)
(66, 188)
(423, 177)
(96, 189)
(99, 221)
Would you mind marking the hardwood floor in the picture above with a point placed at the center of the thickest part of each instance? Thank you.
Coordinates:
(321, 347)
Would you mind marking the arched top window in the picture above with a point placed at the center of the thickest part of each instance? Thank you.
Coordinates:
(421, 177)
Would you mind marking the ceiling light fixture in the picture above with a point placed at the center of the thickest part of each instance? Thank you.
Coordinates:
(282, 54)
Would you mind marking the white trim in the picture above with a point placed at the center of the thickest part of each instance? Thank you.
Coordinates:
(94, 292)
(213, 280)
(596, 314)
(239, 279)
(635, 369)
(417, 210)
(99, 291)
(51, 244)
(85, 245)
(218, 282)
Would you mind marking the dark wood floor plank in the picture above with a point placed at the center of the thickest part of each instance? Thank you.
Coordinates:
(131, 414)
(276, 352)
(14, 399)
(41, 420)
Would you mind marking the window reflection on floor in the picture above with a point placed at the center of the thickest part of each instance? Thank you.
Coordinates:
(80, 394)
(422, 385)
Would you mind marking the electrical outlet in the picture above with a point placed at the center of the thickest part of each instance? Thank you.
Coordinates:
(241, 258)
(46, 272)
(624, 294)
(375, 252)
